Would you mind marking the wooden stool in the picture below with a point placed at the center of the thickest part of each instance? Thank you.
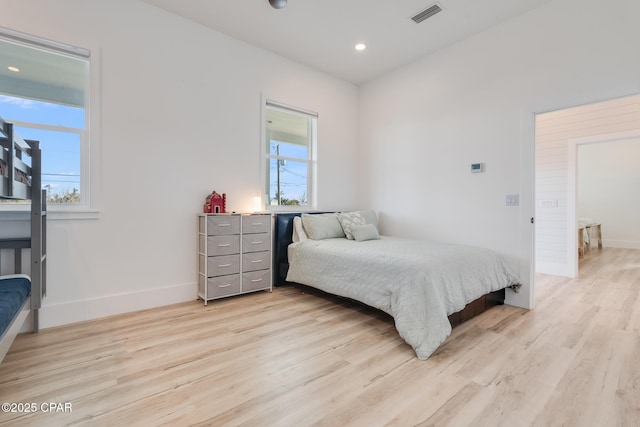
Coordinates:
(595, 233)
(580, 242)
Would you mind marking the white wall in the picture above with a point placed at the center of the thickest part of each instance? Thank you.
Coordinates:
(609, 190)
(558, 136)
(167, 82)
(423, 124)
(180, 116)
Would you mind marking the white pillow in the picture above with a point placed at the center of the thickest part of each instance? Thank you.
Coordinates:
(370, 217)
(348, 220)
(299, 235)
(365, 232)
(322, 226)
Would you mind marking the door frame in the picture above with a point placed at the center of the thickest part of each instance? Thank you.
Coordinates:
(572, 188)
(525, 298)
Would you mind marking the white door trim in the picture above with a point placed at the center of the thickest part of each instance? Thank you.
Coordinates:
(525, 298)
(572, 189)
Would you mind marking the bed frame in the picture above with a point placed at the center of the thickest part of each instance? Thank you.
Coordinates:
(19, 181)
(283, 234)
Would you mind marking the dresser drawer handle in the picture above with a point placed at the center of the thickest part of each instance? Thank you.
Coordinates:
(256, 280)
(256, 223)
(256, 243)
(224, 265)
(224, 286)
(224, 245)
(256, 261)
(224, 225)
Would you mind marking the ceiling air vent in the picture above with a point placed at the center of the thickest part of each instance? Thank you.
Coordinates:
(427, 13)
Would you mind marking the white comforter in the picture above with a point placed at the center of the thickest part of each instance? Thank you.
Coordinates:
(417, 282)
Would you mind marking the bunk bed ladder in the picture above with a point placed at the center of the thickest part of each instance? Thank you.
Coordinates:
(38, 233)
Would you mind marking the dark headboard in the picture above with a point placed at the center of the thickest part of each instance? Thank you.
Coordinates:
(282, 238)
(282, 235)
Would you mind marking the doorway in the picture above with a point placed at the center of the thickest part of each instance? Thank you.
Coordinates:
(613, 154)
(557, 137)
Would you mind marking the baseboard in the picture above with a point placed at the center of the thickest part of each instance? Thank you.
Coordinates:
(553, 269)
(95, 308)
(624, 244)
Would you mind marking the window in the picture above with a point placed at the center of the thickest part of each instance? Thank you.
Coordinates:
(291, 135)
(44, 89)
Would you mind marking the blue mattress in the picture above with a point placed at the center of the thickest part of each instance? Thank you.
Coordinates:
(13, 292)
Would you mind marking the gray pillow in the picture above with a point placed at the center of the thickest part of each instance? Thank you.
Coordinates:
(348, 220)
(322, 226)
(365, 232)
(370, 217)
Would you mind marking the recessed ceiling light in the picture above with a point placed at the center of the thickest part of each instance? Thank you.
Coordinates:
(278, 4)
(361, 46)
(12, 68)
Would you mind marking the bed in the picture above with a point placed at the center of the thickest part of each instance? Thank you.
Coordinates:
(426, 287)
(20, 179)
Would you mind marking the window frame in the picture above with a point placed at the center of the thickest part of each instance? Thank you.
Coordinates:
(88, 208)
(311, 159)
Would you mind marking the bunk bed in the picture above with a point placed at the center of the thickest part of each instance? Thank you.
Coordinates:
(20, 179)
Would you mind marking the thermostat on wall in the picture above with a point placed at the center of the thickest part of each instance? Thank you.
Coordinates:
(477, 167)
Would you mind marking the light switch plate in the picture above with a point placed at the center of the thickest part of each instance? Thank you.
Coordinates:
(548, 203)
(513, 199)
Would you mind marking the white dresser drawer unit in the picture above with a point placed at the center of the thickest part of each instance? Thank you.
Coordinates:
(256, 280)
(223, 245)
(235, 254)
(256, 242)
(222, 225)
(256, 261)
(221, 265)
(256, 224)
(223, 286)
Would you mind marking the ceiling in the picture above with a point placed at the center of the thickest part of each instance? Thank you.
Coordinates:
(322, 33)
(287, 126)
(41, 74)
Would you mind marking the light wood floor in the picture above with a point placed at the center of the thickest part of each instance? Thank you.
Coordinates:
(296, 359)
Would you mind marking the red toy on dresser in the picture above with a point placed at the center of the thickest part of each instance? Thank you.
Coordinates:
(216, 203)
